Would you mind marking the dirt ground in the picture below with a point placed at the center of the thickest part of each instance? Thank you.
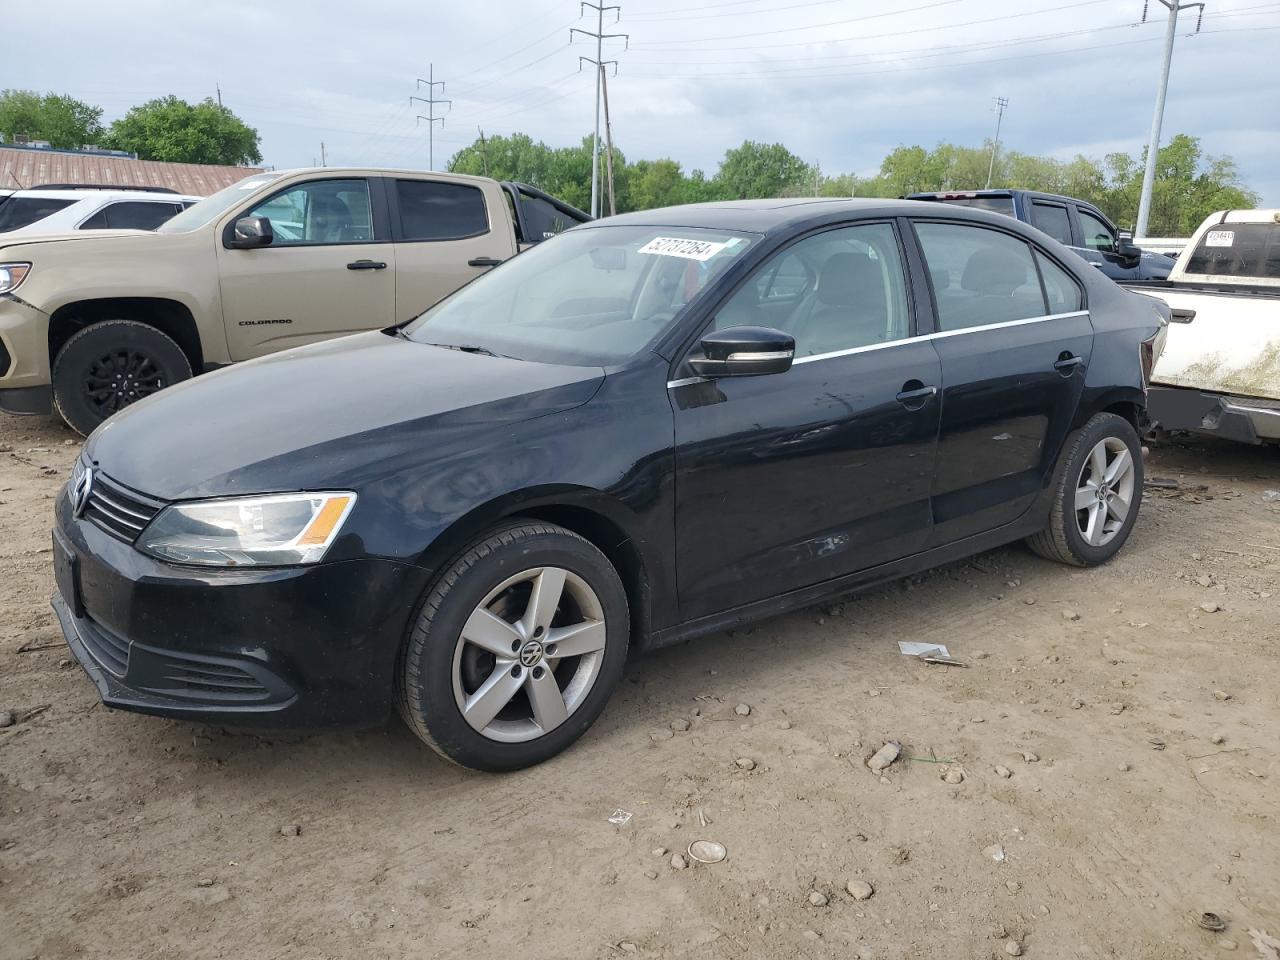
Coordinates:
(1086, 726)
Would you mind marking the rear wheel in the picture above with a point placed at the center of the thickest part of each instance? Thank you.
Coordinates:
(109, 365)
(1098, 491)
(516, 650)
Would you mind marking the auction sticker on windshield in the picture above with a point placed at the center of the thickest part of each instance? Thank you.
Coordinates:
(1220, 238)
(701, 250)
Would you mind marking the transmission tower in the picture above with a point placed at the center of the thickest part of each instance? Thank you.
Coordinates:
(600, 63)
(1153, 146)
(431, 100)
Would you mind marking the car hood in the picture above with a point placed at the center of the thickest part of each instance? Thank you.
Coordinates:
(325, 416)
(21, 237)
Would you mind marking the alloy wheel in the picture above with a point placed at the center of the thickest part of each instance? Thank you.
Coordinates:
(1104, 491)
(120, 378)
(529, 654)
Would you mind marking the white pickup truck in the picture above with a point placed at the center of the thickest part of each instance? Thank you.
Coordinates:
(1220, 371)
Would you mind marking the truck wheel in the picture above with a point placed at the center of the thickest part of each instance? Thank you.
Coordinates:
(1097, 494)
(516, 649)
(109, 365)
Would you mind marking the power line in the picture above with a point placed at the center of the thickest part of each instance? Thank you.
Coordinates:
(431, 100)
(750, 13)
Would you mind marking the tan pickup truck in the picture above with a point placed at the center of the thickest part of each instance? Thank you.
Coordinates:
(89, 323)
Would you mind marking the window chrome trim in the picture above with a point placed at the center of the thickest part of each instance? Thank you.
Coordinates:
(867, 348)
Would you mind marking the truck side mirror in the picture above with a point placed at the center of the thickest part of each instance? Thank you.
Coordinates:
(250, 232)
(1126, 248)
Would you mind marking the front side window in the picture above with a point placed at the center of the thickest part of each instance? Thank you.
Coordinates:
(980, 276)
(319, 212)
(205, 211)
(1097, 235)
(591, 296)
(833, 291)
(21, 212)
(1238, 250)
(436, 210)
(1052, 219)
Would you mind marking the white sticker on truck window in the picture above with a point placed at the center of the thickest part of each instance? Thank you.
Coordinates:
(700, 250)
(1220, 238)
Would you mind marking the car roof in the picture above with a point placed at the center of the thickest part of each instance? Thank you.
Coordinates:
(102, 194)
(783, 215)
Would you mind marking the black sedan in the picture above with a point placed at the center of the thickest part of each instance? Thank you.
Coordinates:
(653, 427)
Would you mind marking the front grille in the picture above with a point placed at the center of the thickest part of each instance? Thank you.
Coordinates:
(221, 683)
(121, 512)
(110, 651)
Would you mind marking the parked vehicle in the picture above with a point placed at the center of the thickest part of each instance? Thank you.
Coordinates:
(1221, 372)
(1073, 223)
(89, 323)
(64, 208)
(659, 426)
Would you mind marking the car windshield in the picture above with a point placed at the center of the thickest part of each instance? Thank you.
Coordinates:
(1238, 250)
(590, 296)
(212, 206)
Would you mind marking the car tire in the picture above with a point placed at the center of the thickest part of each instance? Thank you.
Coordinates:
(487, 638)
(108, 366)
(1090, 521)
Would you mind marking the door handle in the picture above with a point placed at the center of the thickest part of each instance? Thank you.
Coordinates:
(1066, 363)
(1183, 315)
(484, 262)
(915, 393)
(367, 265)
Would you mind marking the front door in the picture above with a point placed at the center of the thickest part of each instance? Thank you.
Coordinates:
(327, 272)
(1014, 343)
(1098, 244)
(791, 479)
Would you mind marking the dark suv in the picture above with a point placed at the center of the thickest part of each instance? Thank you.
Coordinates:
(1073, 223)
(644, 429)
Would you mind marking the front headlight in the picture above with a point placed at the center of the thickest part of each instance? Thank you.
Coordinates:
(12, 275)
(276, 530)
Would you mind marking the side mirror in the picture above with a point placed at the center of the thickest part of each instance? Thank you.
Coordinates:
(1126, 248)
(744, 352)
(250, 232)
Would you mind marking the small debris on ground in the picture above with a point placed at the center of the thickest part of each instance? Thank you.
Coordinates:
(742, 710)
(1030, 757)
(1213, 922)
(707, 851)
(620, 816)
(818, 899)
(1221, 695)
(745, 763)
(1070, 615)
(1003, 771)
(1013, 948)
(995, 852)
(6, 718)
(290, 830)
(884, 756)
(680, 725)
(859, 889)
(953, 775)
(1209, 606)
(678, 862)
(1218, 739)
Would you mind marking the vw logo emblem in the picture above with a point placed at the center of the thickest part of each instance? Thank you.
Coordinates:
(80, 495)
(531, 654)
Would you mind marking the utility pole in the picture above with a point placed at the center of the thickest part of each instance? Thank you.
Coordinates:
(218, 87)
(431, 100)
(323, 162)
(1001, 104)
(599, 36)
(1153, 145)
(484, 151)
(608, 139)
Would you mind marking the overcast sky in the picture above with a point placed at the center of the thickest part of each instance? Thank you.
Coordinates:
(840, 82)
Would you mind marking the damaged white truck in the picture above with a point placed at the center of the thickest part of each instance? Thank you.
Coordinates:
(1220, 371)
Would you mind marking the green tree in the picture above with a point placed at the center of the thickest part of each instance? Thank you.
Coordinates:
(763, 170)
(65, 122)
(173, 130)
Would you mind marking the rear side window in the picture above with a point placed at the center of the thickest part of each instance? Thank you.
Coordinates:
(131, 215)
(435, 210)
(1238, 250)
(1061, 289)
(980, 276)
(23, 211)
(1052, 219)
(544, 220)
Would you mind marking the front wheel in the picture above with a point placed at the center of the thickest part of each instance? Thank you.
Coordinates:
(516, 650)
(1098, 491)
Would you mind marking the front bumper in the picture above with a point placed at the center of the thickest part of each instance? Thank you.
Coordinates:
(24, 354)
(296, 647)
(1248, 420)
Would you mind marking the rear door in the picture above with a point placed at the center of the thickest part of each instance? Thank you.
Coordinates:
(329, 270)
(1053, 218)
(1014, 340)
(447, 232)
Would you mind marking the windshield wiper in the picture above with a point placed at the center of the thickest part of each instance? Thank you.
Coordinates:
(464, 348)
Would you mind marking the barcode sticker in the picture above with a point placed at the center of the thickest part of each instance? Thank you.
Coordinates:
(1220, 238)
(700, 250)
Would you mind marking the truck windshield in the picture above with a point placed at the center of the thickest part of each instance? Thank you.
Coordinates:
(588, 297)
(1238, 250)
(212, 206)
